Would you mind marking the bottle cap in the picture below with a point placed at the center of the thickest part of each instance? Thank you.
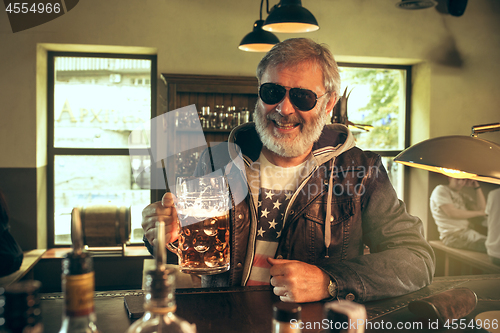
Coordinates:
(285, 312)
(77, 263)
(161, 283)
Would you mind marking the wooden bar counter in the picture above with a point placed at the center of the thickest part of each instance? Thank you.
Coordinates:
(249, 309)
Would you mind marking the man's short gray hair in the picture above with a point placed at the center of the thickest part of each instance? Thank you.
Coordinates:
(294, 51)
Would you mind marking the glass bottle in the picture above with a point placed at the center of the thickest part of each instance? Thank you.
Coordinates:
(237, 118)
(159, 301)
(78, 284)
(219, 123)
(205, 114)
(214, 117)
(228, 122)
(245, 115)
(286, 318)
(20, 308)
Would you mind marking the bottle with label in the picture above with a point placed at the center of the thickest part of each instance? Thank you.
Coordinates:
(159, 302)
(286, 318)
(20, 308)
(78, 284)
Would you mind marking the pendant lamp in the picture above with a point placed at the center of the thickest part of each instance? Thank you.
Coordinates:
(290, 17)
(457, 156)
(258, 40)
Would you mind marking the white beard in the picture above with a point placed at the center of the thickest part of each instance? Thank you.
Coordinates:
(288, 145)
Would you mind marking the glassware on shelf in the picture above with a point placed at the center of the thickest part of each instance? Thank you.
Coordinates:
(205, 115)
(245, 115)
(214, 118)
(182, 120)
(186, 162)
(228, 122)
(237, 118)
(222, 120)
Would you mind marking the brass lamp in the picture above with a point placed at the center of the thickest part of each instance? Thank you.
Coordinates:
(457, 156)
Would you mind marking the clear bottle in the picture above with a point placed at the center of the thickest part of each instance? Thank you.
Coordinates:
(237, 118)
(228, 121)
(204, 118)
(159, 302)
(286, 318)
(20, 308)
(245, 115)
(78, 284)
(159, 306)
(214, 117)
(219, 122)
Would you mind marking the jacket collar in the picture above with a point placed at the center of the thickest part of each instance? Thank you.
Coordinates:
(334, 140)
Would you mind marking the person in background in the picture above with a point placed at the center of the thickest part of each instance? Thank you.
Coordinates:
(11, 255)
(493, 237)
(451, 209)
(314, 198)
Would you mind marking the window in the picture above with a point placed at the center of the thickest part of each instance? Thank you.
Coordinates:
(378, 96)
(95, 101)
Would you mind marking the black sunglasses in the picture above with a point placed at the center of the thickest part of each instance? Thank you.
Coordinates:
(302, 99)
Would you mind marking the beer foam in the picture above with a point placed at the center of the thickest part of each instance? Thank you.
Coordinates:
(201, 214)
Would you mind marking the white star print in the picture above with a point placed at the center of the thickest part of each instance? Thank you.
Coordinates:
(288, 195)
(269, 195)
(272, 224)
(264, 213)
(259, 203)
(261, 232)
(278, 234)
(277, 204)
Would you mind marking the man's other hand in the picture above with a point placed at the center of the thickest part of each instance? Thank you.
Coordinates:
(296, 281)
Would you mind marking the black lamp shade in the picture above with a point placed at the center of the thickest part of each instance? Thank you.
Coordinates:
(290, 17)
(258, 40)
(456, 156)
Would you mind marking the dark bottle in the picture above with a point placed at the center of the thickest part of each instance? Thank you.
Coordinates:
(78, 285)
(287, 318)
(20, 308)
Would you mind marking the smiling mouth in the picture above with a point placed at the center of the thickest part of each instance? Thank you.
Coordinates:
(285, 126)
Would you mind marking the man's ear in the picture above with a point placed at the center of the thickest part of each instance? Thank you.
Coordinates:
(331, 102)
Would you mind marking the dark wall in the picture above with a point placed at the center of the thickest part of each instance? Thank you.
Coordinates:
(111, 273)
(19, 185)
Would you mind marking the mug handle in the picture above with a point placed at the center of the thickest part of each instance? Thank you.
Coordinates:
(173, 248)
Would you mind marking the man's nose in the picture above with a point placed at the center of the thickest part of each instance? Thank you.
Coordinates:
(285, 107)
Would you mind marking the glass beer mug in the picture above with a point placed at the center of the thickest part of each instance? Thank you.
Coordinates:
(202, 206)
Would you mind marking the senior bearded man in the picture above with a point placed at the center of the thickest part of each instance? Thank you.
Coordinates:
(314, 199)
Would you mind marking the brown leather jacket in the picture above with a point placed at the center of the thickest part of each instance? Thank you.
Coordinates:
(364, 211)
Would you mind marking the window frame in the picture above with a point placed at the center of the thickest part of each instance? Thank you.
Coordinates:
(53, 151)
(407, 137)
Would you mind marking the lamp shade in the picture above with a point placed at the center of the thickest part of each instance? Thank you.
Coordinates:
(456, 156)
(290, 17)
(258, 40)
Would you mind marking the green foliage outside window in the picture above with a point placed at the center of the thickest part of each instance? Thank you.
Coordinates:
(382, 89)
